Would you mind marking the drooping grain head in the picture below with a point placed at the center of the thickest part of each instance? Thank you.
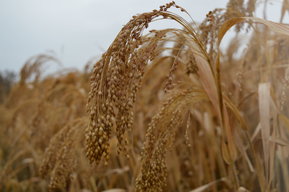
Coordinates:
(115, 81)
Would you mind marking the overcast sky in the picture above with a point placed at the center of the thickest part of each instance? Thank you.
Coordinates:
(75, 30)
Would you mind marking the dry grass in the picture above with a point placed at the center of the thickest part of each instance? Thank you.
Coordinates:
(159, 117)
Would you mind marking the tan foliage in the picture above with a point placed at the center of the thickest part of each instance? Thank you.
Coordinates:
(167, 110)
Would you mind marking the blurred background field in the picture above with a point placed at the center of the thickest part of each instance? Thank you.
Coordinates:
(166, 108)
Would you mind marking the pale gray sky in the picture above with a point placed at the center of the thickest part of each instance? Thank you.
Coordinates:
(76, 30)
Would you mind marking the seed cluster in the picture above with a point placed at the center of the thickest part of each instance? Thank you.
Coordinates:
(59, 160)
(115, 81)
(160, 137)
